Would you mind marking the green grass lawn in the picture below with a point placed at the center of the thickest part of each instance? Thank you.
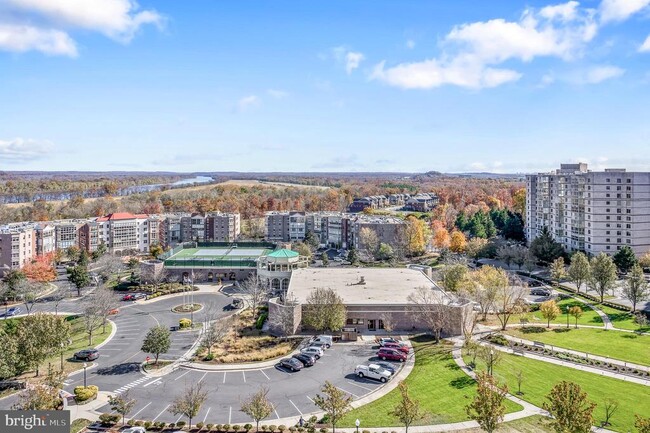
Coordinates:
(539, 377)
(622, 319)
(531, 424)
(624, 346)
(589, 316)
(440, 386)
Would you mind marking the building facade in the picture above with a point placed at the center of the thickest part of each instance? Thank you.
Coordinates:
(17, 248)
(590, 211)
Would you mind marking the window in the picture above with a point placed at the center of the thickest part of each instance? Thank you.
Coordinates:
(618, 180)
(607, 187)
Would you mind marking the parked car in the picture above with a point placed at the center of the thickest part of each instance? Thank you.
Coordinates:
(540, 291)
(313, 351)
(319, 344)
(373, 371)
(13, 311)
(135, 430)
(307, 360)
(137, 296)
(128, 297)
(237, 303)
(327, 340)
(87, 355)
(392, 354)
(292, 364)
(384, 340)
(397, 346)
(387, 366)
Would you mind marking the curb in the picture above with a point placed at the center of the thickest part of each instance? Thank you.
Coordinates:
(110, 337)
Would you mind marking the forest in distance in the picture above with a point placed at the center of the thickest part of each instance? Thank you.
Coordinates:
(457, 193)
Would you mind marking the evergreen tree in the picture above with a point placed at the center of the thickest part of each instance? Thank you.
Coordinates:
(545, 248)
(624, 259)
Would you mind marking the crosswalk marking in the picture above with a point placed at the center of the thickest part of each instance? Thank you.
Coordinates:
(128, 386)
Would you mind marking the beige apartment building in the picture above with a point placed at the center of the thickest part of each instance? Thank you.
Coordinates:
(17, 248)
(591, 211)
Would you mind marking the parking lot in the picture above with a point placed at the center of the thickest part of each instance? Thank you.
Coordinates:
(291, 393)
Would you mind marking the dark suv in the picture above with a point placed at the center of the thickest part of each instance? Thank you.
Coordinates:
(540, 291)
(87, 355)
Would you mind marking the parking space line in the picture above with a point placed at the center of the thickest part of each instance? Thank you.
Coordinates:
(262, 371)
(138, 412)
(309, 398)
(179, 418)
(276, 412)
(362, 387)
(161, 412)
(206, 415)
(187, 372)
(348, 392)
(294, 405)
(224, 379)
(202, 377)
(230, 415)
(244, 374)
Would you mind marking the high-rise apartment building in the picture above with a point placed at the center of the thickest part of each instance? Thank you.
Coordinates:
(222, 227)
(591, 211)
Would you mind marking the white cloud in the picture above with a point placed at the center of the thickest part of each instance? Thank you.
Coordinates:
(22, 38)
(22, 150)
(45, 25)
(645, 47)
(277, 94)
(598, 74)
(620, 10)
(410, 44)
(352, 61)
(472, 52)
(248, 102)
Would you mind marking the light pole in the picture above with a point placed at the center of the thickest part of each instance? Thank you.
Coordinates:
(491, 361)
(85, 365)
(357, 423)
(62, 355)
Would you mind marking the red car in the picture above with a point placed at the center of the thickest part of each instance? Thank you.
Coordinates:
(397, 346)
(394, 355)
(128, 297)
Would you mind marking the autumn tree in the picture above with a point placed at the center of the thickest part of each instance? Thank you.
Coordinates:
(407, 410)
(603, 274)
(579, 269)
(458, 242)
(441, 238)
(189, 402)
(415, 236)
(41, 269)
(474, 247)
(642, 424)
(509, 300)
(576, 312)
(572, 412)
(369, 241)
(487, 281)
(550, 311)
(156, 250)
(257, 406)
(122, 404)
(488, 407)
(453, 277)
(324, 310)
(334, 402)
(40, 335)
(635, 288)
(558, 271)
(157, 341)
(644, 261)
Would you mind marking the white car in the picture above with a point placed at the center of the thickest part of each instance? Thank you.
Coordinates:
(373, 371)
(313, 351)
(134, 430)
(326, 340)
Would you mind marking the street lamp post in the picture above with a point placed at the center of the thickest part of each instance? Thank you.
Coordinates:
(491, 361)
(357, 423)
(85, 365)
(62, 346)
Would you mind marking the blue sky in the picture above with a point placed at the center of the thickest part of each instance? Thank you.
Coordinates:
(344, 85)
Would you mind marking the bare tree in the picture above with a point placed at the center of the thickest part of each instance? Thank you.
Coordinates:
(27, 292)
(485, 285)
(189, 402)
(109, 265)
(388, 320)
(426, 305)
(93, 318)
(610, 407)
(58, 296)
(105, 302)
(369, 242)
(215, 333)
(509, 300)
(155, 277)
(256, 291)
(283, 318)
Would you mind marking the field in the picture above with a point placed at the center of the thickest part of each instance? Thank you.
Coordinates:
(440, 386)
(251, 182)
(539, 377)
(624, 346)
(589, 316)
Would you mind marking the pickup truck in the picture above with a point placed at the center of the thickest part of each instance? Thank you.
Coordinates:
(373, 371)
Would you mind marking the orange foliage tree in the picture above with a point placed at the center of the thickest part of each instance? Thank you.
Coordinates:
(41, 269)
(458, 242)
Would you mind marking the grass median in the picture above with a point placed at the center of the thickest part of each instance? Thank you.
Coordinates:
(624, 346)
(440, 386)
(539, 377)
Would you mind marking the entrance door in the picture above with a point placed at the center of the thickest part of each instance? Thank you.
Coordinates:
(372, 325)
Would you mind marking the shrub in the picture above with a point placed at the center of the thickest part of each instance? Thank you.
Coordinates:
(109, 418)
(292, 429)
(533, 329)
(264, 428)
(499, 339)
(209, 426)
(323, 430)
(138, 423)
(365, 431)
(160, 425)
(218, 427)
(209, 357)
(247, 427)
(147, 425)
(180, 424)
(301, 429)
(171, 425)
(282, 427)
(261, 320)
(83, 394)
(199, 425)
(185, 323)
(131, 422)
(225, 427)
(235, 428)
(272, 428)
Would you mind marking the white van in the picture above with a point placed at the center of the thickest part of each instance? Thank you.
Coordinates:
(325, 340)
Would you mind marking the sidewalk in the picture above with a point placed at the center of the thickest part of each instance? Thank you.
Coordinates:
(89, 410)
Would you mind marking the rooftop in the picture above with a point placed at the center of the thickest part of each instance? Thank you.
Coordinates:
(382, 285)
(283, 253)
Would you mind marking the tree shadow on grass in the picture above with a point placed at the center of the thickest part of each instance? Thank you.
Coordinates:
(462, 382)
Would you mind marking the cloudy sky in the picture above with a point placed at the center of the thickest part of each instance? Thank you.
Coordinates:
(507, 86)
